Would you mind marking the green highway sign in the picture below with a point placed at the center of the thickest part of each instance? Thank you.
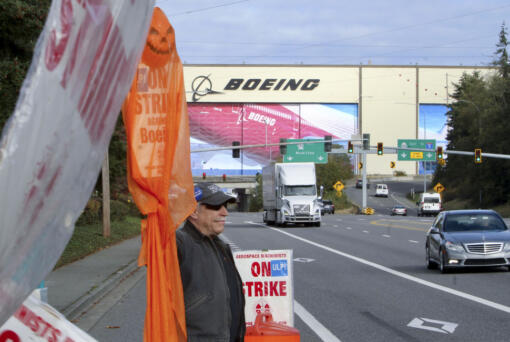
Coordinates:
(418, 144)
(298, 153)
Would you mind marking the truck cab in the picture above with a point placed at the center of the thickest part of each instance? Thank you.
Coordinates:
(290, 194)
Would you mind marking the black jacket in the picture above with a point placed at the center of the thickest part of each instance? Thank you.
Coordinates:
(206, 293)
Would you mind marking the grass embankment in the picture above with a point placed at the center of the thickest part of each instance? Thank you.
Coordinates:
(88, 239)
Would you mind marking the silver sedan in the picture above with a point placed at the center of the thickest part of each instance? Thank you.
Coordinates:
(467, 238)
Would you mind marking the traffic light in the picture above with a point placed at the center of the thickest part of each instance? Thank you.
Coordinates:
(327, 143)
(235, 151)
(350, 148)
(379, 148)
(392, 164)
(439, 153)
(478, 155)
(366, 141)
(360, 165)
(283, 148)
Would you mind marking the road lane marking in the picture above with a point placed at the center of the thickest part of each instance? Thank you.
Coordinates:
(413, 241)
(348, 228)
(365, 231)
(391, 225)
(321, 331)
(386, 235)
(305, 260)
(446, 327)
(420, 281)
(335, 225)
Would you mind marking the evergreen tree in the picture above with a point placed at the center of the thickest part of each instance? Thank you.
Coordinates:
(21, 23)
(501, 53)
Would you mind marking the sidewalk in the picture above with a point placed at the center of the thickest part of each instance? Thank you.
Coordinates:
(74, 287)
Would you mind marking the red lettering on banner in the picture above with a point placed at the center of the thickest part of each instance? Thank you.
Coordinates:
(265, 288)
(264, 269)
(38, 325)
(54, 51)
(106, 69)
(255, 269)
(258, 289)
(283, 288)
(9, 336)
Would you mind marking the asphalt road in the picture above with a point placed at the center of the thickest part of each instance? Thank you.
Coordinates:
(356, 278)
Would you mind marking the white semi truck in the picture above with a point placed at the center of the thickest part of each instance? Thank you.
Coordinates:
(289, 194)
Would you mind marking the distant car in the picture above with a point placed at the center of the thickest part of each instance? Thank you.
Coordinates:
(381, 190)
(399, 210)
(359, 184)
(467, 238)
(327, 207)
(429, 204)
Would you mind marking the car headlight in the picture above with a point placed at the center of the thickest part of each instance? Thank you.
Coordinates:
(507, 247)
(453, 246)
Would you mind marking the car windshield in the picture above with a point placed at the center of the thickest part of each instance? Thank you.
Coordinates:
(299, 190)
(431, 200)
(327, 202)
(473, 222)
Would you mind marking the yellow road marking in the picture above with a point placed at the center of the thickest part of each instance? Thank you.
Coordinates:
(390, 224)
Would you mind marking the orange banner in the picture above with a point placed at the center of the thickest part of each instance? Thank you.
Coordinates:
(159, 175)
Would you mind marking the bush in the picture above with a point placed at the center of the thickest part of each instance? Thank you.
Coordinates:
(91, 214)
(118, 210)
(399, 173)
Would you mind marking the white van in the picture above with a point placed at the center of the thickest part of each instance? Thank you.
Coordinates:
(429, 204)
(381, 190)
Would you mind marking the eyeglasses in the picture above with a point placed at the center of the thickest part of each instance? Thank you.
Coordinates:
(215, 207)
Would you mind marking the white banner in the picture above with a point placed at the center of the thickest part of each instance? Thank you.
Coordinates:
(37, 321)
(267, 284)
(53, 146)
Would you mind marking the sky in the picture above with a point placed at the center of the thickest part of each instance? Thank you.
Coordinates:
(336, 32)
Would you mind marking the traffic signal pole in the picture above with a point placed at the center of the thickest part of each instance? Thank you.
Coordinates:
(364, 173)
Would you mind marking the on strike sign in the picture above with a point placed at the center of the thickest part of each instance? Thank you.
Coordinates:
(267, 284)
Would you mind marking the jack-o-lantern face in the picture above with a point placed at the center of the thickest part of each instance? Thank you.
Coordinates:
(160, 41)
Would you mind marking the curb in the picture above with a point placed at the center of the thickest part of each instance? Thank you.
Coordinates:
(80, 305)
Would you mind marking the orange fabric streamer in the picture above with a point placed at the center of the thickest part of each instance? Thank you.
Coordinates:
(159, 175)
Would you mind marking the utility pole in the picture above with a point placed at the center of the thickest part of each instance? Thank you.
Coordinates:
(105, 177)
(366, 147)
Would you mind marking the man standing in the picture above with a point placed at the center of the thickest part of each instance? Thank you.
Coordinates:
(212, 287)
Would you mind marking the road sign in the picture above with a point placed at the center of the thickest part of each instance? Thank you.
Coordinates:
(441, 162)
(297, 153)
(338, 186)
(439, 188)
(392, 164)
(419, 144)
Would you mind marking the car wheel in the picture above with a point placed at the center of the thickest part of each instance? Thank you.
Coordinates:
(442, 262)
(430, 264)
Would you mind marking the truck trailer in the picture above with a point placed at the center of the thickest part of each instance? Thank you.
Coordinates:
(289, 194)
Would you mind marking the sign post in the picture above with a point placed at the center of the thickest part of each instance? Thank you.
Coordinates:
(298, 153)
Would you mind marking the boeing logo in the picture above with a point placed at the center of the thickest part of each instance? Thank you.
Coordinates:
(202, 85)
